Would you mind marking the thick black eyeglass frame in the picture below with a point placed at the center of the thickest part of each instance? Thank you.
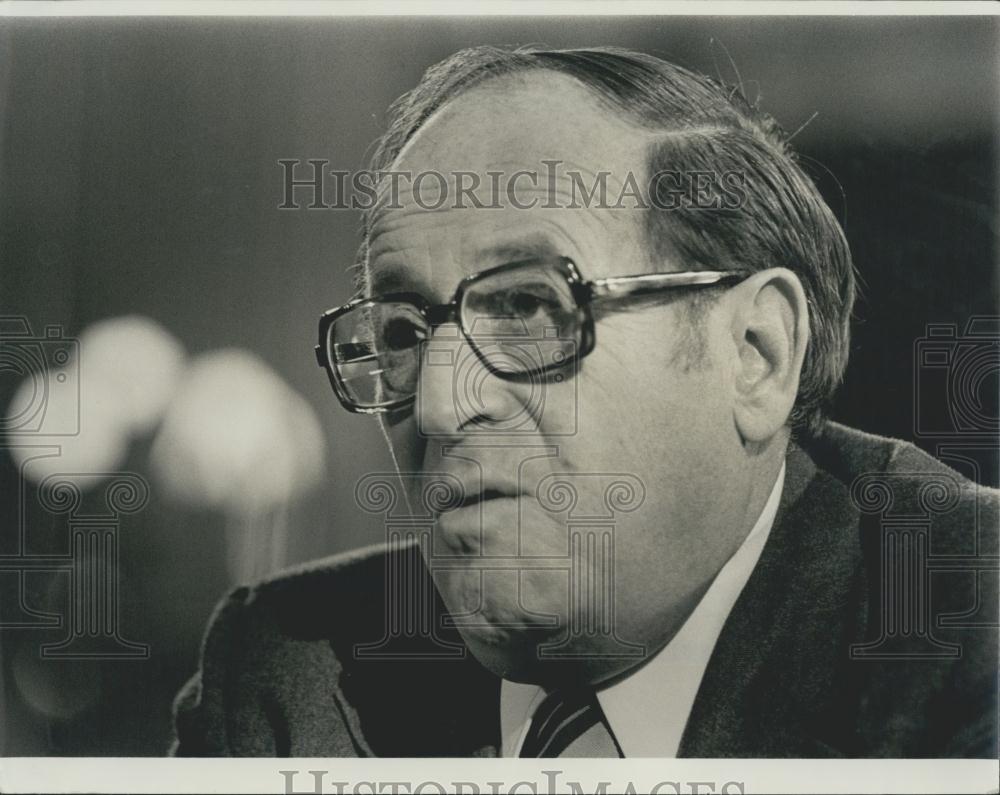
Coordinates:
(585, 293)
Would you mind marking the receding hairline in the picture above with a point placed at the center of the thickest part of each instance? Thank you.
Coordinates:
(649, 135)
(525, 78)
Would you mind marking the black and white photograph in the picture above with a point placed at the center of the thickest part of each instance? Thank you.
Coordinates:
(609, 397)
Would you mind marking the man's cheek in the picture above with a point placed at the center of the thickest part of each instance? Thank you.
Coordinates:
(614, 374)
(462, 590)
(545, 593)
(541, 533)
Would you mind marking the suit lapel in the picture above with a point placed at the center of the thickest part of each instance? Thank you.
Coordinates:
(770, 685)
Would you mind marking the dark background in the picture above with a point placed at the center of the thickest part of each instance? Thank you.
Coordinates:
(139, 174)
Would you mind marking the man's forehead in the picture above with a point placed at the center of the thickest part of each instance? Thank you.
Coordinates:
(503, 173)
(510, 184)
(530, 117)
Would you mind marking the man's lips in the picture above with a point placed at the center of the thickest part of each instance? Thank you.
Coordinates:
(485, 495)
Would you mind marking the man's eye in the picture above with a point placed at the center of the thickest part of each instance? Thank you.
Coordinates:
(527, 304)
(400, 333)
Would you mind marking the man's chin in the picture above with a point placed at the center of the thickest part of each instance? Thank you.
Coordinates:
(518, 654)
(508, 652)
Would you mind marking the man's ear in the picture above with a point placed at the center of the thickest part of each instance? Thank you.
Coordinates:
(771, 332)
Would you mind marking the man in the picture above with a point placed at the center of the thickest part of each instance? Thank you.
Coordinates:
(599, 343)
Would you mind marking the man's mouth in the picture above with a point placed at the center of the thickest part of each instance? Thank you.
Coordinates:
(482, 496)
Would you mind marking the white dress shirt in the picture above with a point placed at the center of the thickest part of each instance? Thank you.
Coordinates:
(647, 711)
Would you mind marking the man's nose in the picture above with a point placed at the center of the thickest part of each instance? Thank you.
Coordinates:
(456, 392)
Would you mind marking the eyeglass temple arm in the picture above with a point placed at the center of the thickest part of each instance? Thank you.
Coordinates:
(620, 286)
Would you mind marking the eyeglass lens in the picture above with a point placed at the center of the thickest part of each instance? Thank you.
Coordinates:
(520, 321)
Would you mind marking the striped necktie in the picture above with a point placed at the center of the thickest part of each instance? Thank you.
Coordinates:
(569, 724)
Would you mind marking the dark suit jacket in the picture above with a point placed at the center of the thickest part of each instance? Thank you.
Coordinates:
(818, 657)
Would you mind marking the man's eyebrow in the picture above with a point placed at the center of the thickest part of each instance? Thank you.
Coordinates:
(534, 247)
(399, 278)
(395, 278)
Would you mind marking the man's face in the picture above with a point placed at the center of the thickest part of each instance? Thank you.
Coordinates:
(533, 580)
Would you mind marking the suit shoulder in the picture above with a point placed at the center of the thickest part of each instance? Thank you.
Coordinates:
(849, 454)
(354, 566)
(271, 649)
(893, 479)
(320, 598)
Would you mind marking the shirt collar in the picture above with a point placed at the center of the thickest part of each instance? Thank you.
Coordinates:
(648, 710)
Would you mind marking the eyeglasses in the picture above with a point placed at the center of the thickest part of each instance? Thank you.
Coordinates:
(521, 320)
